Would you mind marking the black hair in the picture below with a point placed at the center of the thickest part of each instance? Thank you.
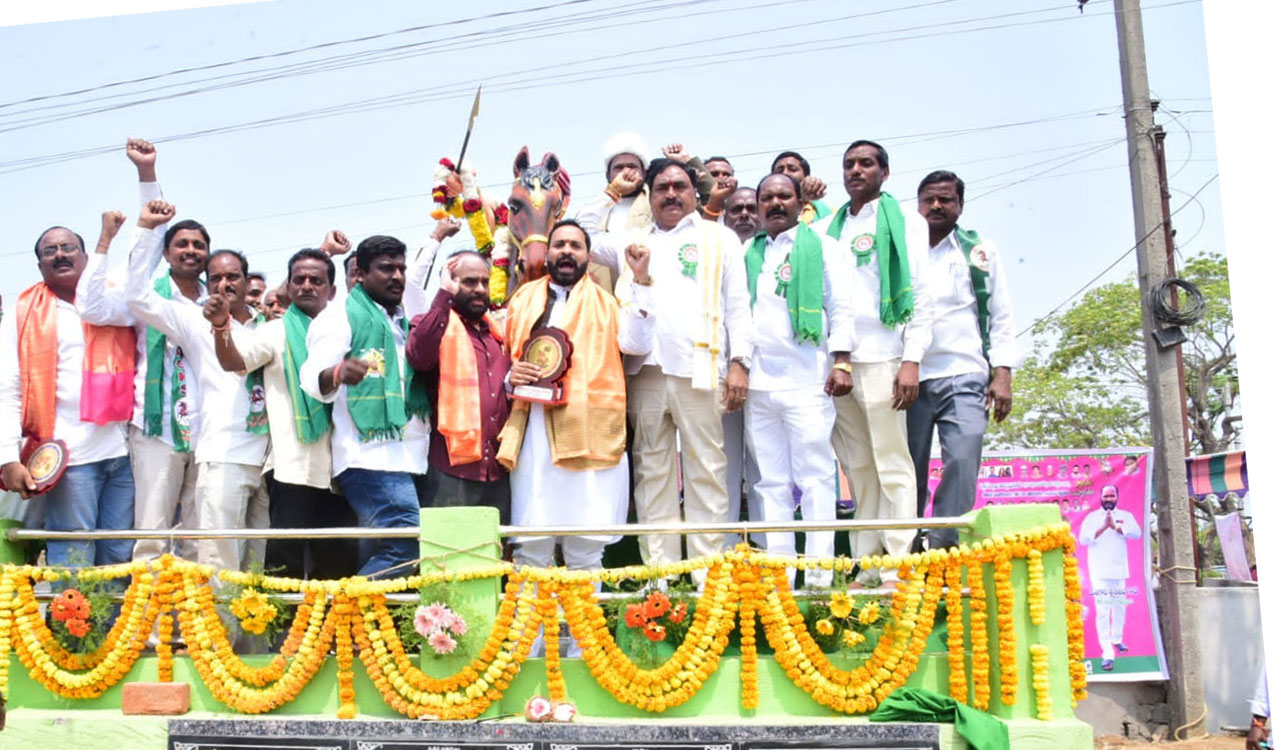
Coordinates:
(50, 229)
(375, 246)
(259, 275)
(794, 182)
(939, 176)
(346, 264)
(660, 165)
(313, 254)
(882, 156)
(181, 225)
(472, 253)
(244, 262)
(804, 163)
(569, 223)
(724, 159)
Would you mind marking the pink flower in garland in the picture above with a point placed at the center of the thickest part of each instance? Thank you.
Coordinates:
(442, 642)
(456, 624)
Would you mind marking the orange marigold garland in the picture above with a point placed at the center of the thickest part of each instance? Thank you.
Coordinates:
(748, 579)
(1040, 681)
(957, 680)
(1008, 633)
(1075, 617)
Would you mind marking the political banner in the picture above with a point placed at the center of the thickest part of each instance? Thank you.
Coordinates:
(1106, 497)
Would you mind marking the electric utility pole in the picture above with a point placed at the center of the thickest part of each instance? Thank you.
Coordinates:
(1177, 592)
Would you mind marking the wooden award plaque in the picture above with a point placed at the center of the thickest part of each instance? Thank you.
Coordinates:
(46, 462)
(550, 349)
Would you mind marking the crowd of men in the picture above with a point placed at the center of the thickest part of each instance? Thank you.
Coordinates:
(753, 340)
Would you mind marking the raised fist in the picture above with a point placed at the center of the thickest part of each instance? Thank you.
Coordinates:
(156, 213)
(676, 152)
(217, 311)
(140, 152)
(111, 223)
(335, 243)
(445, 228)
(723, 188)
(626, 182)
(812, 189)
(638, 260)
(350, 371)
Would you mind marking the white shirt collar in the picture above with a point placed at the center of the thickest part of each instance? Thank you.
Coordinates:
(688, 219)
(868, 209)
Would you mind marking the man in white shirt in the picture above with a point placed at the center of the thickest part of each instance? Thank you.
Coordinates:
(968, 368)
(892, 321)
(63, 379)
(230, 425)
(803, 318)
(298, 469)
(356, 361)
(703, 340)
(165, 398)
(1105, 534)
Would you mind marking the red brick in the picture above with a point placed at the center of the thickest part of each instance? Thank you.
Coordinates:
(162, 698)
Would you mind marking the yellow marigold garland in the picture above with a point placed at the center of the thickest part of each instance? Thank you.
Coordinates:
(1075, 617)
(1040, 681)
(1005, 626)
(748, 580)
(957, 680)
(1035, 587)
(978, 637)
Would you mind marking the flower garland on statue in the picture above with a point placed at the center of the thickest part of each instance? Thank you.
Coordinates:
(1040, 681)
(743, 586)
(466, 202)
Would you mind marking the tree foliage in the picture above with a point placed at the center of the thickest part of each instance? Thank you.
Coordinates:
(1085, 385)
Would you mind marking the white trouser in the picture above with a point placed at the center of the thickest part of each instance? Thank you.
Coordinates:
(788, 432)
(1110, 600)
(870, 439)
(231, 496)
(580, 553)
(164, 482)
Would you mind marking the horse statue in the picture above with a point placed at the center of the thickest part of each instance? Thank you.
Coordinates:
(539, 198)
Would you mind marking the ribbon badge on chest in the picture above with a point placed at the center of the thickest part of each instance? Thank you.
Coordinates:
(688, 256)
(783, 276)
(863, 246)
(980, 258)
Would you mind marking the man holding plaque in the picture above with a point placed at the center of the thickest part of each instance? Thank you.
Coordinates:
(568, 459)
(459, 350)
(356, 361)
(803, 311)
(893, 321)
(66, 395)
(698, 366)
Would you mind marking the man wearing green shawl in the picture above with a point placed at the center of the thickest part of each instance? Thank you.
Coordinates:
(968, 369)
(892, 326)
(298, 465)
(803, 316)
(356, 361)
(165, 390)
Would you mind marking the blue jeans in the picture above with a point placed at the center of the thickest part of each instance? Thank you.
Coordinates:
(383, 500)
(88, 497)
(957, 406)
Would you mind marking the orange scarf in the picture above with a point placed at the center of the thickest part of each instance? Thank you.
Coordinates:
(458, 415)
(106, 385)
(590, 430)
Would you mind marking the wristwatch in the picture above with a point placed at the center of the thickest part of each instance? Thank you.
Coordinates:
(744, 361)
(843, 367)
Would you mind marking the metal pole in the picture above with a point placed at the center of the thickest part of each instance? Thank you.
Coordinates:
(1177, 591)
(746, 527)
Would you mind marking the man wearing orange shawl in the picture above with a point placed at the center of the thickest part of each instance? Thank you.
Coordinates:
(458, 347)
(568, 462)
(73, 382)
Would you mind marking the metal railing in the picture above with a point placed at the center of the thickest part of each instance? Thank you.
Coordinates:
(741, 528)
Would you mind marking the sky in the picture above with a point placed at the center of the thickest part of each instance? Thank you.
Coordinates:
(276, 121)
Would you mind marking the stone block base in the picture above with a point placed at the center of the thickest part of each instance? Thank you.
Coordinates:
(156, 698)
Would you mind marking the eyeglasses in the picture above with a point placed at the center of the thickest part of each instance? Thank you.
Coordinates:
(68, 248)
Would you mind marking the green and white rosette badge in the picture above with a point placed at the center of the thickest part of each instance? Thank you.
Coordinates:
(689, 260)
(863, 244)
(783, 275)
(980, 258)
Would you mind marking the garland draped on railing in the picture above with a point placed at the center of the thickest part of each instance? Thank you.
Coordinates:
(744, 588)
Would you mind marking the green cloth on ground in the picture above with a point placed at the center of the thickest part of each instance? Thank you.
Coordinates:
(981, 730)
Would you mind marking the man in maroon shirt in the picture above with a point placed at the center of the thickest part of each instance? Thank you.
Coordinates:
(463, 473)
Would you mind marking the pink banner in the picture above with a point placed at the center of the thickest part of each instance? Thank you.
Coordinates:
(1105, 496)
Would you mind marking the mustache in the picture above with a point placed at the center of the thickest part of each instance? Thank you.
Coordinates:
(776, 211)
(670, 202)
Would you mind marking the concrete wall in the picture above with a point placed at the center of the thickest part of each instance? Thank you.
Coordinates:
(1230, 660)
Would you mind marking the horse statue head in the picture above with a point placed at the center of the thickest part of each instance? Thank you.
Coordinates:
(539, 198)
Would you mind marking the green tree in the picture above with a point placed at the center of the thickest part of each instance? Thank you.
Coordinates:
(1088, 389)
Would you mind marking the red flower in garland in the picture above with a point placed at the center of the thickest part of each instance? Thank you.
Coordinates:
(439, 195)
(446, 161)
(656, 605)
(635, 616)
(69, 605)
(77, 627)
(471, 205)
(501, 215)
(655, 632)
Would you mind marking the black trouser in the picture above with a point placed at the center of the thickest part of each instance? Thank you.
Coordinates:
(295, 506)
(443, 490)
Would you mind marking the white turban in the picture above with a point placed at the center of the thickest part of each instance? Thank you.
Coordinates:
(625, 143)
